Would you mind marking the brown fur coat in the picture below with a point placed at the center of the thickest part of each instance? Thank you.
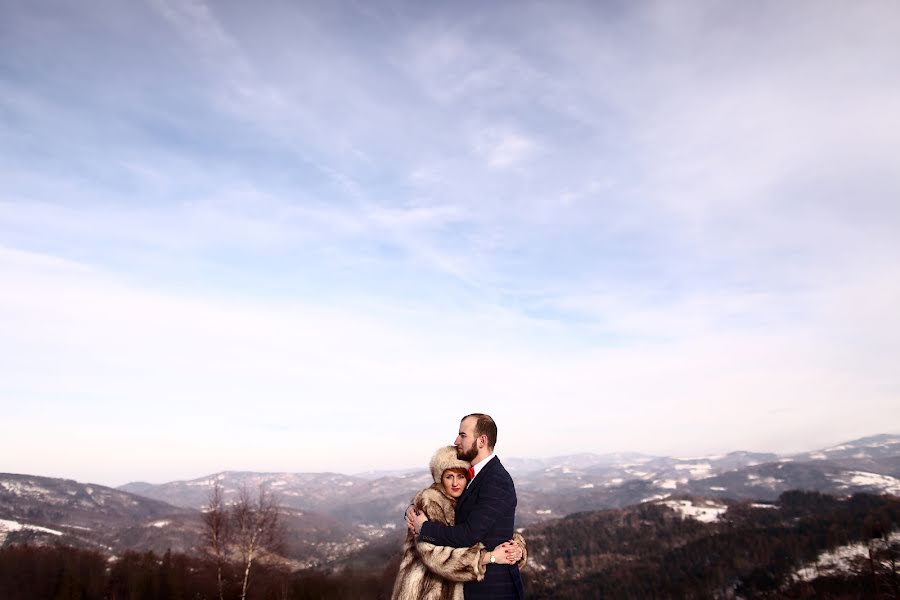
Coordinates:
(429, 572)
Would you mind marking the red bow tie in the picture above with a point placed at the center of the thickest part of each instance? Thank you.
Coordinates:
(471, 473)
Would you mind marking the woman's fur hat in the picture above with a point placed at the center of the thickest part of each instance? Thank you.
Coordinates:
(443, 459)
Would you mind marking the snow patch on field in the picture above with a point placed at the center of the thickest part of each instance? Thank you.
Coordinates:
(666, 484)
(886, 483)
(839, 560)
(20, 488)
(162, 523)
(837, 448)
(707, 511)
(203, 482)
(7, 527)
(771, 482)
(656, 497)
(696, 470)
(587, 486)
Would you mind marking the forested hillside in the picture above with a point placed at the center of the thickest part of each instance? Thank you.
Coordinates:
(807, 545)
(752, 550)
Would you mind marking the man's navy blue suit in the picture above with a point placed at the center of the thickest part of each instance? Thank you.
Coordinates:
(484, 513)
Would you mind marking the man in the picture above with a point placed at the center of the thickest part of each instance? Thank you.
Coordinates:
(484, 513)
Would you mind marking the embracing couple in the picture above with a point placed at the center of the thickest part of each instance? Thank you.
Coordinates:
(461, 541)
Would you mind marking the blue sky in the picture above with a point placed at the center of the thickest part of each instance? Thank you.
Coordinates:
(310, 236)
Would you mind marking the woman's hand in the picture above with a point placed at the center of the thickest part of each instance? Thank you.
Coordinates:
(507, 553)
(414, 519)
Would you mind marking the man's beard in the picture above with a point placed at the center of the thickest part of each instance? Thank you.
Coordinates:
(467, 456)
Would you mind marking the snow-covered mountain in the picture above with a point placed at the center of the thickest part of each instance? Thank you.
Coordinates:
(553, 487)
(310, 491)
(88, 515)
(47, 510)
(331, 514)
(83, 505)
(371, 506)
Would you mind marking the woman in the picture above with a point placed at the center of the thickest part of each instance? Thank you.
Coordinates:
(429, 572)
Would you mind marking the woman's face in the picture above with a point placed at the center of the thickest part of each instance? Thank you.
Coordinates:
(454, 482)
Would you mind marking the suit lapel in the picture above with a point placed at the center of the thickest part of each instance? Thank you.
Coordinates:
(467, 492)
(473, 485)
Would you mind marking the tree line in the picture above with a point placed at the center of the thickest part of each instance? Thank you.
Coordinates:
(646, 551)
(66, 573)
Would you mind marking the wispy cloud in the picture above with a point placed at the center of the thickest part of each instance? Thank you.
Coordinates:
(656, 220)
(503, 149)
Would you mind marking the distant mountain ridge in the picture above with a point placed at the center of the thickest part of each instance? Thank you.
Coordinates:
(85, 504)
(47, 510)
(557, 486)
(331, 515)
(88, 515)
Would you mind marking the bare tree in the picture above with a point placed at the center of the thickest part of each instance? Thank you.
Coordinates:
(216, 533)
(257, 527)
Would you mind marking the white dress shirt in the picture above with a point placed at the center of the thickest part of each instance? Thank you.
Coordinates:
(480, 465)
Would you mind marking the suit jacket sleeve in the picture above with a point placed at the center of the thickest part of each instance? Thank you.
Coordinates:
(495, 499)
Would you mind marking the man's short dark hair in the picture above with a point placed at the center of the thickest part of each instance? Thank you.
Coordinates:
(484, 425)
